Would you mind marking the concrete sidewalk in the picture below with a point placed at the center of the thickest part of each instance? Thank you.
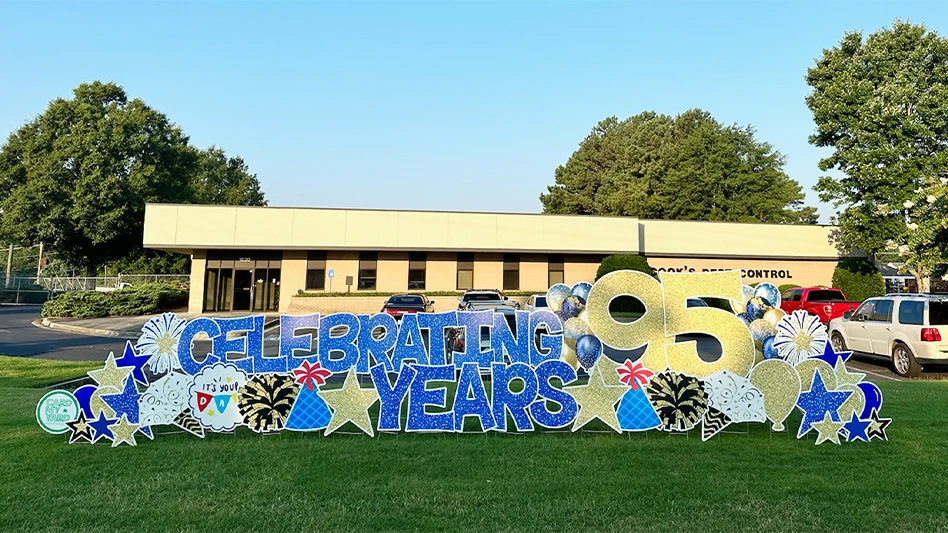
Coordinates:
(128, 327)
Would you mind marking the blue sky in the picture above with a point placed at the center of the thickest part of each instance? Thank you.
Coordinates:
(438, 105)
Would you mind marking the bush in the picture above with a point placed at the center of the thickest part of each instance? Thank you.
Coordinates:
(858, 278)
(623, 262)
(786, 287)
(145, 299)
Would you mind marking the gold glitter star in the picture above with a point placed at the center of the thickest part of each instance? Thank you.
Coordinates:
(111, 375)
(123, 431)
(350, 404)
(608, 369)
(844, 376)
(596, 399)
(827, 429)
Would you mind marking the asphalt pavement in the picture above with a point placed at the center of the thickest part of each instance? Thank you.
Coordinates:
(19, 337)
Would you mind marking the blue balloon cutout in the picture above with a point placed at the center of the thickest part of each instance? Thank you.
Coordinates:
(84, 395)
(769, 351)
(746, 318)
(581, 290)
(573, 306)
(562, 316)
(873, 398)
(588, 350)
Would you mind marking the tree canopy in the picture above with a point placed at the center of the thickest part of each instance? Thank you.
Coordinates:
(881, 104)
(688, 167)
(77, 177)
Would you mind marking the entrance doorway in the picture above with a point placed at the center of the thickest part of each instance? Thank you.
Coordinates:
(235, 282)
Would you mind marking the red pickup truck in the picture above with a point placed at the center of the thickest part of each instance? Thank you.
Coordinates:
(824, 303)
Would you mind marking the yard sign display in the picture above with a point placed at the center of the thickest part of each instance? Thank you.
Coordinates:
(557, 368)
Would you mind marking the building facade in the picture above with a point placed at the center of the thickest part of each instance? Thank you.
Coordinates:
(258, 258)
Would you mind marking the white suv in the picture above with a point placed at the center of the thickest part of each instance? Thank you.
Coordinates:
(901, 326)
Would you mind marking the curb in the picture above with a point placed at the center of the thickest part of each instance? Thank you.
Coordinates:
(95, 332)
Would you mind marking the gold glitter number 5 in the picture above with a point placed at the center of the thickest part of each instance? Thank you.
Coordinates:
(737, 346)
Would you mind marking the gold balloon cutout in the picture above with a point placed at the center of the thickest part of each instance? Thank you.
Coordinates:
(774, 315)
(737, 346)
(568, 353)
(780, 384)
(649, 329)
(854, 404)
(808, 367)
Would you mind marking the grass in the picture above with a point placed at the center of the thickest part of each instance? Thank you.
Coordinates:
(546, 481)
(29, 372)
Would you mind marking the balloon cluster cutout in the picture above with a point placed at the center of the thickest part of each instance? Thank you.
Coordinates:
(543, 369)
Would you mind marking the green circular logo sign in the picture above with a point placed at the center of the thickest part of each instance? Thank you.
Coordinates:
(55, 410)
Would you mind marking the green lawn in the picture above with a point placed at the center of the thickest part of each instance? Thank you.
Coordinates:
(549, 481)
(29, 372)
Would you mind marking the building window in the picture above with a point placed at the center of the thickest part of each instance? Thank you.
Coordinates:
(465, 271)
(316, 271)
(368, 264)
(555, 262)
(416, 270)
(511, 272)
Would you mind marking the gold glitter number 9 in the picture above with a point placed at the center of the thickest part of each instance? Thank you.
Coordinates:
(737, 346)
(649, 329)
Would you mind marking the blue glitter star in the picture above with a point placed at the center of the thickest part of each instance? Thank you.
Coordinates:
(101, 427)
(137, 362)
(856, 429)
(816, 402)
(126, 403)
(831, 356)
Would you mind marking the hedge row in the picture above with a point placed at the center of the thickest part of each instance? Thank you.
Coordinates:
(145, 299)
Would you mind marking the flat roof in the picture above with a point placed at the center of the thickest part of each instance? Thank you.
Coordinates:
(184, 228)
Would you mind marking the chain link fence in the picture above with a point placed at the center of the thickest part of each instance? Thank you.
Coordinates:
(36, 290)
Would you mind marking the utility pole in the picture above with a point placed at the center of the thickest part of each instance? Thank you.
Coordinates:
(39, 263)
(9, 281)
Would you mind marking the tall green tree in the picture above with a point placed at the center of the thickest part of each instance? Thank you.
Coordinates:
(881, 104)
(77, 176)
(223, 180)
(688, 167)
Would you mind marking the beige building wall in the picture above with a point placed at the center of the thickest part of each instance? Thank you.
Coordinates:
(196, 294)
(488, 271)
(534, 273)
(344, 264)
(441, 272)
(292, 276)
(392, 274)
(580, 268)
(777, 271)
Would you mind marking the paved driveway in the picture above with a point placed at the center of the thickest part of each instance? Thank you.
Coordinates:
(19, 337)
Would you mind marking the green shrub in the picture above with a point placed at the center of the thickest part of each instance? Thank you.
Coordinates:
(145, 299)
(616, 262)
(786, 287)
(858, 278)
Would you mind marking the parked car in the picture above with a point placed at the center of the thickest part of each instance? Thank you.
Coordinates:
(402, 304)
(903, 327)
(827, 304)
(537, 301)
(486, 299)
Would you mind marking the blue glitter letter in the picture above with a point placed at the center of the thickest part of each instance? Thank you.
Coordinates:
(419, 397)
(567, 412)
(409, 346)
(247, 345)
(502, 340)
(471, 399)
(185, 357)
(435, 323)
(390, 397)
(345, 343)
(290, 341)
(550, 344)
(516, 403)
(473, 321)
(372, 349)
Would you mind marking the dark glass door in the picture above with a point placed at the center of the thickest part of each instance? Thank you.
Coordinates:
(243, 287)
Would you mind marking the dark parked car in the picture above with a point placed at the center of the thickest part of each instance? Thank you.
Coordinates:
(402, 304)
